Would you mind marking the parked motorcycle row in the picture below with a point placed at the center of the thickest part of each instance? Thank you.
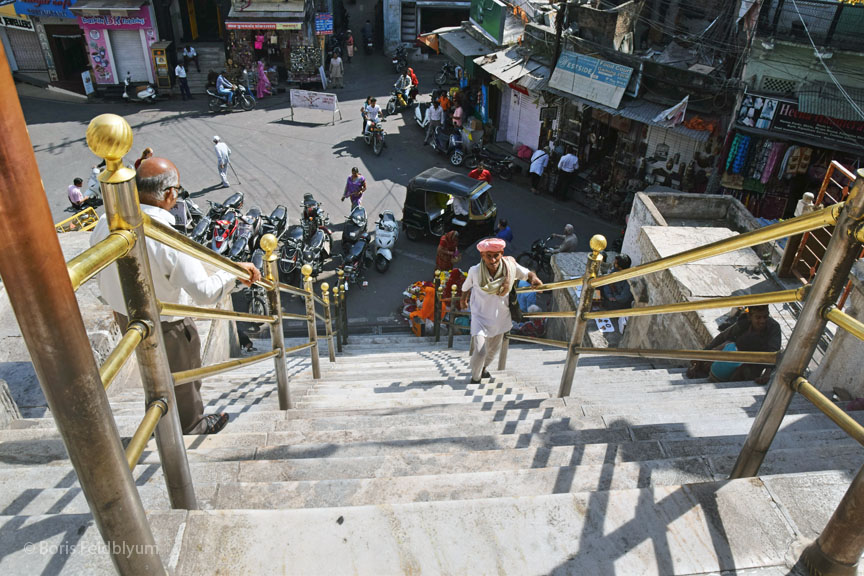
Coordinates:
(228, 231)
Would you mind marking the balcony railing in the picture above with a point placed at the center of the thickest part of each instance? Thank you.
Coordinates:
(831, 24)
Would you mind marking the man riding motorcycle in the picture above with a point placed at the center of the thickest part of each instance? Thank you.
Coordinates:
(404, 86)
(373, 112)
(224, 88)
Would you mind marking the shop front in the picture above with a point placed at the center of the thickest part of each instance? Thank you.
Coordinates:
(119, 35)
(776, 153)
(18, 34)
(282, 40)
(61, 41)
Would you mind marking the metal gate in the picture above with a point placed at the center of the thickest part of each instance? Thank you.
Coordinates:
(26, 49)
(129, 55)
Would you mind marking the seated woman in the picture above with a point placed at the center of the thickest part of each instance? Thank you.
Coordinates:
(755, 331)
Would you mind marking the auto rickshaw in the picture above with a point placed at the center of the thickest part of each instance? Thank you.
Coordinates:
(438, 201)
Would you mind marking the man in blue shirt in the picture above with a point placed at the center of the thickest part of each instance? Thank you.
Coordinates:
(504, 231)
(224, 87)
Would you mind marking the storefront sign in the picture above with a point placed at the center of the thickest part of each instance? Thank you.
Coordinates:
(596, 80)
(783, 116)
(132, 21)
(323, 23)
(47, 8)
(263, 25)
(489, 16)
(22, 23)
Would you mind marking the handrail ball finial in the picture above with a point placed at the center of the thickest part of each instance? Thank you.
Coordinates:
(306, 270)
(109, 136)
(598, 244)
(268, 244)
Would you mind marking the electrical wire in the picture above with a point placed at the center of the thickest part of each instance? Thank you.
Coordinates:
(818, 54)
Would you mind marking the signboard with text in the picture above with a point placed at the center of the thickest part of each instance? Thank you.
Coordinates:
(323, 23)
(263, 25)
(46, 8)
(489, 17)
(131, 21)
(596, 80)
(783, 116)
(19, 23)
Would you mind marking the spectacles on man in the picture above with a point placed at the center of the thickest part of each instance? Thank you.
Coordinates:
(181, 192)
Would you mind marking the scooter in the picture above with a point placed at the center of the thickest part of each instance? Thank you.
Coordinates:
(354, 228)
(398, 102)
(386, 234)
(146, 93)
(449, 144)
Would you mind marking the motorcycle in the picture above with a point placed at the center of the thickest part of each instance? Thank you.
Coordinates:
(186, 213)
(315, 218)
(276, 223)
(354, 228)
(203, 231)
(398, 102)
(539, 258)
(314, 253)
(257, 295)
(386, 234)
(374, 136)
(224, 231)
(241, 98)
(290, 253)
(400, 59)
(368, 44)
(146, 93)
(247, 236)
(354, 261)
(447, 74)
(449, 144)
(499, 164)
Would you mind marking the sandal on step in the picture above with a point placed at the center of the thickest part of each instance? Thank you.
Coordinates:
(215, 423)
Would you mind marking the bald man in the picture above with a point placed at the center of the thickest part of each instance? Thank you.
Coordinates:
(179, 279)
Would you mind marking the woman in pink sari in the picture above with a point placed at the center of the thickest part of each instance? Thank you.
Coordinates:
(263, 81)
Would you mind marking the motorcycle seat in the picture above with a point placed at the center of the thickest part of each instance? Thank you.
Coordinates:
(495, 155)
(317, 239)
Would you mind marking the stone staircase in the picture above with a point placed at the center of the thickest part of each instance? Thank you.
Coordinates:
(211, 56)
(393, 463)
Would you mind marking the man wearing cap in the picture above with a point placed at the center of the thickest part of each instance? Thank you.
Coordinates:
(223, 157)
(488, 288)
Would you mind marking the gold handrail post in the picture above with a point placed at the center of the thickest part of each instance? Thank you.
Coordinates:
(328, 326)
(269, 244)
(343, 290)
(452, 327)
(598, 244)
(310, 320)
(39, 289)
(337, 325)
(842, 251)
(838, 549)
(110, 137)
(438, 295)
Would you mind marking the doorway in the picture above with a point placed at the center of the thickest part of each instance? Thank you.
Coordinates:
(70, 56)
(205, 20)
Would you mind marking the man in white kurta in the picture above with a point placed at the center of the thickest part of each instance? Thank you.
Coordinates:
(487, 287)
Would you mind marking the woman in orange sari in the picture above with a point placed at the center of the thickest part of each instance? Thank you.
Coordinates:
(448, 251)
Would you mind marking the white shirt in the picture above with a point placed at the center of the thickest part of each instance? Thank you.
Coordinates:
(490, 314)
(177, 277)
(372, 112)
(435, 113)
(223, 152)
(568, 163)
(180, 71)
(190, 51)
(539, 160)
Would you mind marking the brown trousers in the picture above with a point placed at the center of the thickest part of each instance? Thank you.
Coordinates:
(183, 347)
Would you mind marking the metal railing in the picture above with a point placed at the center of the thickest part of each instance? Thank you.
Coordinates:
(82, 221)
(835, 550)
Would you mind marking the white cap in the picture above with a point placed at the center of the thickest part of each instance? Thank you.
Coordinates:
(216, 138)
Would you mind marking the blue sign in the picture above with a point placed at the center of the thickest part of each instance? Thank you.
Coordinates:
(55, 8)
(596, 80)
(323, 23)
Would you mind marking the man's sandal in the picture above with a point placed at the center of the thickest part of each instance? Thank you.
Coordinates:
(215, 422)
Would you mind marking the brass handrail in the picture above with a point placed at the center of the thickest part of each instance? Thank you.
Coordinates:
(572, 283)
(170, 309)
(713, 355)
(193, 374)
(291, 289)
(170, 237)
(845, 321)
(318, 300)
(135, 333)
(547, 342)
(811, 221)
(559, 314)
(778, 297)
(827, 407)
(98, 257)
(139, 440)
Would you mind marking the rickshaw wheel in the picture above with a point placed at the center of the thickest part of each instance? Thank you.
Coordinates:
(413, 234)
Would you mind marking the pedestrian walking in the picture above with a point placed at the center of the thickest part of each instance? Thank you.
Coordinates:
(177, 278)
(539, 160)
(567, 167)
(349, 46)
(336, 70)
(223, 158)
(354, 187)
(182, 81)
(436, 118)
(447, 254)
(487, 288)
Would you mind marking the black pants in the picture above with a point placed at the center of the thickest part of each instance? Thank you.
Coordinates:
(184, 88)
(565, 180)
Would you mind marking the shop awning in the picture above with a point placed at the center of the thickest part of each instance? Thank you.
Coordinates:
(115, 5)
(640, 111)
(507, 65)
(826, 100)
(536, 80)
(269, 10)
(461, 47)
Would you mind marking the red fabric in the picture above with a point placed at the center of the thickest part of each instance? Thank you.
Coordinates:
(478, 174)
(524, 152)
